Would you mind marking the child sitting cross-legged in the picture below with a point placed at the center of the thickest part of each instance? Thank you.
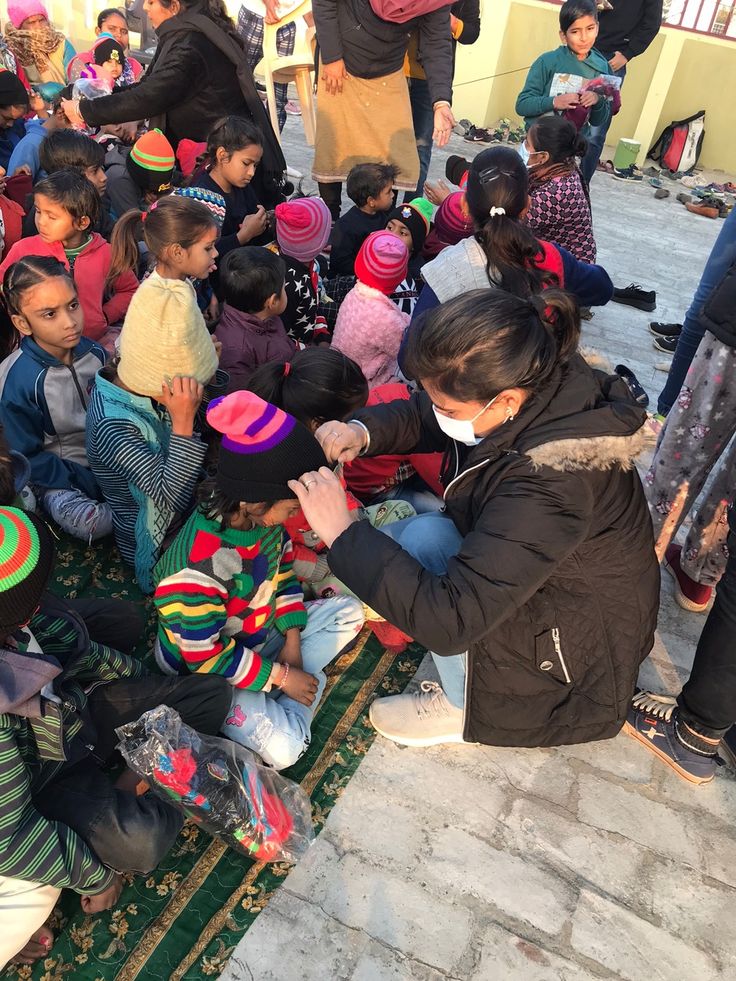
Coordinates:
(44, 393)
(226, 594)
(369, 326)
(250, 329)
(67, 206)
(142, 441)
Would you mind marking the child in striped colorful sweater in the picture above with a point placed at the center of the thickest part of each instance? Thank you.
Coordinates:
(227, 597)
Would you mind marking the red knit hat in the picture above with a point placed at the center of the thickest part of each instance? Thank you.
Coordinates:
(382, 261)
(452, 221)
(303, 228)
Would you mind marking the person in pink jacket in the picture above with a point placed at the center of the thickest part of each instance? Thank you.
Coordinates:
(67, 207)
(369, 326)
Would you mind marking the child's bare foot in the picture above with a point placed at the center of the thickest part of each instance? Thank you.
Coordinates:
(37, 947)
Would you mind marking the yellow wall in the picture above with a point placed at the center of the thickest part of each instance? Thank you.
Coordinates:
(679, 74)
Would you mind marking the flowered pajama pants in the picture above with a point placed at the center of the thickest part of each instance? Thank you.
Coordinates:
(698, 438)
(250, 28)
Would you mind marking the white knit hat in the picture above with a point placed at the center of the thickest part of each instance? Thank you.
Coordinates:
(164, 335)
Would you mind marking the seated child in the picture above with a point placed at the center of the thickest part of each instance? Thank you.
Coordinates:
(576, 56)
(68, 149)
(13, 106)
(138, 176)
(226, 594)
(44, 392)
(66, 206)
(302, 230)
(411, 221)
(234, 150)
(41, 50)
(250, 329)
(370, 188)
(369, 326)
(142, 442)
(109, 55)
(26, 154)
(559, 202)
(452, 223)
(66, 822)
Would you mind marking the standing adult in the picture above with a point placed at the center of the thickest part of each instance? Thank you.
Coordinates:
(363, 108)
(626, 30)
(518, 587)
(197, 76)
(465, 27)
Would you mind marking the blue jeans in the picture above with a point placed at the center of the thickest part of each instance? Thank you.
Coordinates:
(597, 136)
(721, 258)
(422, 115)
(415, 492)
(432, 539)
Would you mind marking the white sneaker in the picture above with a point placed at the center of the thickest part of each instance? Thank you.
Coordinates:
(423, 717)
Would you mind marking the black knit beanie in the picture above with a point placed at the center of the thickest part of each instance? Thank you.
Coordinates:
(414, 221)
(26, 560)
(109, 50)
(262, 448)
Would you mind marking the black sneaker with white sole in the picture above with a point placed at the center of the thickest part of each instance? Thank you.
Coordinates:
(665, 330)
(634, 296)
(666, 345)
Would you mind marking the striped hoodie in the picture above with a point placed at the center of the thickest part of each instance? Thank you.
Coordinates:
(220, 592)
(39, 735)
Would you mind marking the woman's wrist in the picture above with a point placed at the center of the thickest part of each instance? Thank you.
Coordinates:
(364, 433)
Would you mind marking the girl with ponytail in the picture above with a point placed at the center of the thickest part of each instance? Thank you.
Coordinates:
(559, 202)
(519, 585)
(504, 253)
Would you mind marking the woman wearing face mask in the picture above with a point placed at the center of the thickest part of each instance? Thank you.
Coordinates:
(559, 203)
(537, 589)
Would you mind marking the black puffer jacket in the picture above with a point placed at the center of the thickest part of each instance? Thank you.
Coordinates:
(719, 312)
(372, 47)
(555, 590)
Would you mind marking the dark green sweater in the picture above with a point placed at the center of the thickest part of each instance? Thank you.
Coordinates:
(534, 99)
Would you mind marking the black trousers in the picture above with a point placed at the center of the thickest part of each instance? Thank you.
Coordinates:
(708, 699)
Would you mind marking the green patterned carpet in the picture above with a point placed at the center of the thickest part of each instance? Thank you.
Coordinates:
(183, 922)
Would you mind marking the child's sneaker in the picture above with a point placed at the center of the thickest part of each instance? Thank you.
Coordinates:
(667, 345)
(665, 330)
(653, 721)
(423, 717)
(690, 595)
(631, 174)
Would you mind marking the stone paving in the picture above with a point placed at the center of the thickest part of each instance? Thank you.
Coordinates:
(483, 864)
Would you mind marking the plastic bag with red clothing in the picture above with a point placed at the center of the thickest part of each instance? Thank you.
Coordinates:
(220, 785)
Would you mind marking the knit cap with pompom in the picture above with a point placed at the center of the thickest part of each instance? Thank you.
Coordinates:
(262, 448)
(382, 262)
(164, 335)
(303, 228)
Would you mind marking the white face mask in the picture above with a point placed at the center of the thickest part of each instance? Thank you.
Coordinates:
(461, 429)
(524, 154)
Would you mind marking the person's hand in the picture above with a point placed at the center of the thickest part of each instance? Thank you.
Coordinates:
(301, 686)
(333, 76)
(436, 192)
(291, 652)
(341, 441)
(272, 16)
(567, 100)
(70, 108)
(618, 61)
(324, 503)
(453, 23)
(3, 180)
(443, 123)
(105, 899)
(253, 225)
(23, 169)
(211, 313)
(182, 400)
(217, 345)
(589, 99)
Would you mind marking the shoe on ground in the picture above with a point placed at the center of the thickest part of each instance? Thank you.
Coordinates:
(634, 296)
(652, 721)
(667, 345)
(690, 595)
(292, 108)
(631, 174)
(727, 748)
(661, 193)
(665, 330)
(478, 135)
(703, 209)
(424, 717)
(651, 171)
(462, 127)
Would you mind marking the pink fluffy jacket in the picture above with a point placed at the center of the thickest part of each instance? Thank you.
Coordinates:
(369, 330)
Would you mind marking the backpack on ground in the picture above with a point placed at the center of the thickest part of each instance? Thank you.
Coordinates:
(679, 144)
(401, 11)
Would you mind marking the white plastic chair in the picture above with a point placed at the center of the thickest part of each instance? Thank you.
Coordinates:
(297, 67)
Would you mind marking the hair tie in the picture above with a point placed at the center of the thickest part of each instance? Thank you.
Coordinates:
(496, 211)
(287, 368)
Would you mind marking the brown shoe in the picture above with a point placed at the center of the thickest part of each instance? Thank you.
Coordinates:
(703, 209)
